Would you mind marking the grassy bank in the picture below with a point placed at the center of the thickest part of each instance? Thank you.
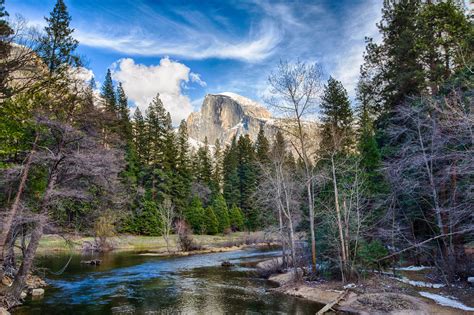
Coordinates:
(55, 243)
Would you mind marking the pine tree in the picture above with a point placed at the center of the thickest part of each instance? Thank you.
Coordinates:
(236, 218)
(262, 147)
(231, 185)
(123, 113)
(369, 152)
(211, 221)
(195, 215)
(247, 181)
(183, 165)
(445, 41)
(57, 46)
(222, 213)
(108, 94)
(5, 33)
(156, 129)
(140, 137)
(217, 168)
(204, 165)
(337, 118)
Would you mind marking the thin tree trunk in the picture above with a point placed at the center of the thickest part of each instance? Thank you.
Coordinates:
(339, 222)
(7, 224)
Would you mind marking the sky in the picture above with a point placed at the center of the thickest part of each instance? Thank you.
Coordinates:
(187, 49)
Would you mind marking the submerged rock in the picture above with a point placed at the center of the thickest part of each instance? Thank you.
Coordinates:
(227, 264)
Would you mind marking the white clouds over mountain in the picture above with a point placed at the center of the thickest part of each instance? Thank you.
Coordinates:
(142, 83)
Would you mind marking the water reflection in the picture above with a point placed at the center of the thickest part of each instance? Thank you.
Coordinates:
(128, 283)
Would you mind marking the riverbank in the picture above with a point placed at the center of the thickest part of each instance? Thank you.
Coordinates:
(380, 294)
(56, 243)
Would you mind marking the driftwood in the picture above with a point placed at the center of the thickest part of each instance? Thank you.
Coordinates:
(331, 304)
(424, 242)
(95, 262)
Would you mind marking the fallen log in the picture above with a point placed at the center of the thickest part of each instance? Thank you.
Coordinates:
(330, 305)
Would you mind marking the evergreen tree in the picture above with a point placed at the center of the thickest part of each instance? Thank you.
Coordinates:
(156, 129)
(231, 182)
(204, 165)
(367, 144)
(212, 223)
(195, 215)
(108, 94)
(183, 165)
(337, 119)
(399, 57)
(445, 41)
(262, 147)
(123, 113)
(236, 218)
(5, 33)
(217, 168)
(57, 46)
(247, 181)
(140, 137)
(222, 213)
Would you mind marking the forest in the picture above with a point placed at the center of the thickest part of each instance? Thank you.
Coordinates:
(387, 180)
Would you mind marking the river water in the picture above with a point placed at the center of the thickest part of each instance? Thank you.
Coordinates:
(130, 283)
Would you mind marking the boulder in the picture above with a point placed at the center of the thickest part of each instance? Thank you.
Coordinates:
(23, 295)
(36, 293)
(3, 311)
(7, 281)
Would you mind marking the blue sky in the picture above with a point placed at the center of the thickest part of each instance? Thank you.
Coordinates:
(186, 49)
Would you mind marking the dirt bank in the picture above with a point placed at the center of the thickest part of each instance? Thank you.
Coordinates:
(375, 295)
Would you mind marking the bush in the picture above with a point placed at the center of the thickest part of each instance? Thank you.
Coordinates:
(368, 254)
(185, 238)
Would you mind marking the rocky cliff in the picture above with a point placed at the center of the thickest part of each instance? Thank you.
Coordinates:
(225, 115)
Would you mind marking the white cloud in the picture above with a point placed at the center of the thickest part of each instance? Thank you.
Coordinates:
(196, 78)
(196, 41)
(141, 84)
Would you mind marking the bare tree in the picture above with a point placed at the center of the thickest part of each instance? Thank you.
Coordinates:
(167, 214)
(433, 167)
(280, 190)
(295, 88)
(75, 162)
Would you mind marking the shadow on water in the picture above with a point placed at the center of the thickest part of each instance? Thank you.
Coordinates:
(128, 283)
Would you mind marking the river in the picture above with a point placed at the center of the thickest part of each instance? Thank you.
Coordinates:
(130, 283)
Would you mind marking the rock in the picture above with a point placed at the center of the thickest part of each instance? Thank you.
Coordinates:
(227, 264)
(349, 286)
(37, 293)
(95, 262)
(23, 295)
(34, 282)
(7, 281)
(223, 116)
(3, 311)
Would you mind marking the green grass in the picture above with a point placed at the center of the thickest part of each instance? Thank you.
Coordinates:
(54, 243)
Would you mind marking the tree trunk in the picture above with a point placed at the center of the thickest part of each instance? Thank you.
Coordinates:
(339, 221)
(7, 224)
(25, 267)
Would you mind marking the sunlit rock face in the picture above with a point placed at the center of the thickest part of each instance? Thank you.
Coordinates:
(226, 115)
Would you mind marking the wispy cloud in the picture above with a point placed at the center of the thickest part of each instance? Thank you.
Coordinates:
(187, 34)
